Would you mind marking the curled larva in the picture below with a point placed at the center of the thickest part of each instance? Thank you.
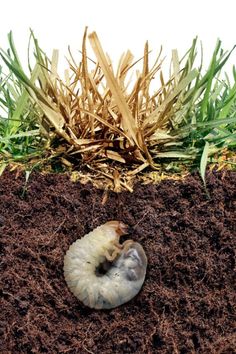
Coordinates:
(101, 272)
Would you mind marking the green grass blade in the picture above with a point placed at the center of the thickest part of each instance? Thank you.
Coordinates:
(13, 50)
(28, 133)
(228, 103)
(209, 81)
(21, 105)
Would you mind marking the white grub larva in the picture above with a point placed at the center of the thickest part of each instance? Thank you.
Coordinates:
(101, 272)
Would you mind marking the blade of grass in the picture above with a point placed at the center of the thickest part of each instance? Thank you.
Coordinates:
(3, 166)
(21, 105)
(203, 162)
(209, 81)
(176, 66)
(14, 51)
(229, 102)
(54, 65)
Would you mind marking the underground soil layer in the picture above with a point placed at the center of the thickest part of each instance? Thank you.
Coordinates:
(188, 301)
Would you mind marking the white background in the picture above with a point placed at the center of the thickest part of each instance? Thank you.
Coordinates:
(121, 25)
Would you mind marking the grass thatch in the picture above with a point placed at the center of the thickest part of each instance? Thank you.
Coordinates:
(113, 125)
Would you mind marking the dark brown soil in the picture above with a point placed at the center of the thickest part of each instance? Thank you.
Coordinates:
(188, 301)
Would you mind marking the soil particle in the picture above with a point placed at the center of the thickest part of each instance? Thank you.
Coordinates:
(188, 301)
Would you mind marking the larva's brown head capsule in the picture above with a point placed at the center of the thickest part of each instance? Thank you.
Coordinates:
(119, 227)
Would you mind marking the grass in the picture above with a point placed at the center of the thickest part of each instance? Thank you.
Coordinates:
(19, 129)
(99, 119)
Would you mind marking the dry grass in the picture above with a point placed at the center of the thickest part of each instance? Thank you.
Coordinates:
(117, 127)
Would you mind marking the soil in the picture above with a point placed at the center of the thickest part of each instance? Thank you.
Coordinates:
(188, 301)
